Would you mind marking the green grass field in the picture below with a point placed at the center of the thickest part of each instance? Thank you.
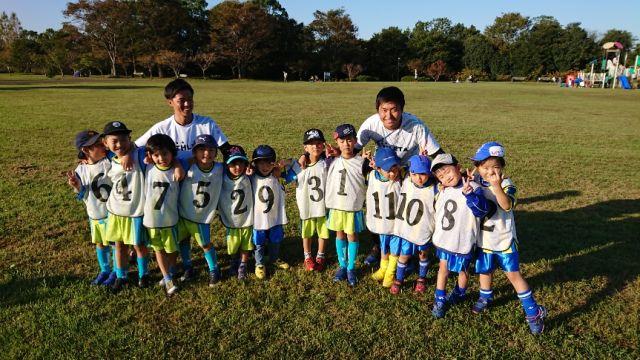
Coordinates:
(573, 154)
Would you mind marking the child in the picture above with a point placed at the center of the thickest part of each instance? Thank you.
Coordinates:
(498, 245)
(236, 208)
(161, 204)
(415, 219)
(383, 197)
(346, 192)
(268, 209)
(199, 194)
(310, 192)
(93, 187)
(459, 206)
(126, 204)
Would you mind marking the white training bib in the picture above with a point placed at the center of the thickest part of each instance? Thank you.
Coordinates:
(97, 187)
(268, 196)
(498, 231)
(346, 184)
(199, 193)
(383, 198)
(310, 190)
(127, 192)
(161, 198)
(235, 205)
(417, 213)
(456, 228)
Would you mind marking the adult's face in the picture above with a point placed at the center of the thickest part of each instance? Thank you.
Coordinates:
(390, 114)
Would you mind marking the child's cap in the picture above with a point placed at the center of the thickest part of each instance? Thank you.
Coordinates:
(263, 152)
(488, 150)
(205, 140)
(386, 158)
(420, 164)
(233, 153)
(443, 159)
(86, 138)
(312, 134)
(115, 127)
(343, 131)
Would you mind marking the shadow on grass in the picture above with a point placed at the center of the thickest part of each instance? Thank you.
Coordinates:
(19, 291)
(79, 86)
(554, 196)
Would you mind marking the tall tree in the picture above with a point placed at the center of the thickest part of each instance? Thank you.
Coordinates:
(336, 40)
(505, 31)
(575, 48)
(386, 53)
(479, 54)
(62, 48)
(26, 52)
(437, 40)
(10, 29)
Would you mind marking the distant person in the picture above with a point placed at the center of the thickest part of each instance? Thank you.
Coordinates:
(284, 76)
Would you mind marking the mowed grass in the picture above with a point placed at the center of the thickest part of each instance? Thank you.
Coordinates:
(574, 155)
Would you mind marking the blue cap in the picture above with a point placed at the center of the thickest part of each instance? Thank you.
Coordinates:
(343, 131)
(86, 138)
(205, 140)
(487, 150)
(263, 152)
(420, 164)
(233, 153)
(386, 158)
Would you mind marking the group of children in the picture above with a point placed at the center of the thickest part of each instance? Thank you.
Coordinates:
(166, 198)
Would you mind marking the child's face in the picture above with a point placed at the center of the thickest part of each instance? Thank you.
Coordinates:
(95, 152)
(182, 103)
(347, 145)
(162, 157)
(119, 144)
(490, 168)
(237, 167)
(315, 148)
(393, 174)
(264, 167)
(419, 179)
(205, 156)
(449, 175)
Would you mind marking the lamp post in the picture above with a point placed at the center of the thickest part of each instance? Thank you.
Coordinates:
(398, 69)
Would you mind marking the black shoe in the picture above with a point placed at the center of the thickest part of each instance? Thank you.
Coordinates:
(188, 275)
(144, 281)
(118, 285)
(214, 277)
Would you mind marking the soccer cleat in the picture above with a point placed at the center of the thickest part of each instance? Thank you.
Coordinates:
(536, 323)
(352, 279)
(189, 275)
(396, 287)
(261, 272)
(281, 264)
(372, 259)
(309, 264)
(480, 305)
(390, 274)
(319, 264)
(455, 298)
(118, 285)
(170, 287)
(242, 271)
(111, 279)
(144, 281)
(340, 275)
(439, 309)
(421, 285)
(101, 278)
(214, 277)
(233, 268)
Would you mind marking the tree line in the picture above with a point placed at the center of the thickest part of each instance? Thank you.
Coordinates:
(257, 39)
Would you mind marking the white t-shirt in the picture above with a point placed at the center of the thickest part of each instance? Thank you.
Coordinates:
(406, 139)
(346, 188)
(268, 206)
(127, 194)
(235, 205)
(499, 230)
(161, 198)
(416, 214)
(185, 135)
(456, 228)
(199, 193)
(97, 187)
(310, 190)
(382, 204)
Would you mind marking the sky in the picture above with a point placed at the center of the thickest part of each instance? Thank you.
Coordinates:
(371, 16)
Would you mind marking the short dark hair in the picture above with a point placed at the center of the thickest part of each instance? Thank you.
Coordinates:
(175, 87)
(500, 160)
(389, 94)
(159, 142)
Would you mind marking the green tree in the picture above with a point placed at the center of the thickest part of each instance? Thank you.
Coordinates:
(387, 53)
(336, 41)
(575, 48)
(503, 34)
(25, 52)
(437, 40)
(481, 55)
(10, 29)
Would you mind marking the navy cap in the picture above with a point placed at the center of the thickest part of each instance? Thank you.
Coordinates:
(443, 159)
(312, 134)
(115, 127)
(420, 164)
(205, 140)
(488, 150)
(386, 158)
(233, 153)
(343, 131)
(263, 152)
(86, 138)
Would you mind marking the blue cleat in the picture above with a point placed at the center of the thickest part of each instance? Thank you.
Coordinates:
(455, 298)
(536, 323)
(341, 275)
(439, 309)
(371, 260)
(101, 278)
(352, 279)
(110, 280)
(480, 305)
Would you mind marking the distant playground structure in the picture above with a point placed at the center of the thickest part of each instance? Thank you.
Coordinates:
(610, 72)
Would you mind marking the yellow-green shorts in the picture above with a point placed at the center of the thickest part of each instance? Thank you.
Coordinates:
(349, 222)
(239, 239)
(313, 226)
(98, 229)
(164, 239)
(128, 230)
(190, 229)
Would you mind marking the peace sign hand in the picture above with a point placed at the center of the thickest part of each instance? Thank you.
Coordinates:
(495, 179)
(73, 180)
(466, 185)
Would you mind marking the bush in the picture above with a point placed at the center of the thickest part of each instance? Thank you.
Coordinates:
(409, 78)
(366, 78)
(503, 77)
(477, 74)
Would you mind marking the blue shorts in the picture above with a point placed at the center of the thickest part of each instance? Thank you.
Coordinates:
(385, 241)
(400, 246)
(424, 247)
(265, 237)
(487, 262)
(455, 262)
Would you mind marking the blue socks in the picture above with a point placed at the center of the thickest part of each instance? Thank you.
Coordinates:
(424, 267)
(341, 251)
(486, 294)
(460, 291)
(143, 266)
(441, 295)
(400, 271)
(352, 254)
(528, 303)
(185, 254)
(212, 259)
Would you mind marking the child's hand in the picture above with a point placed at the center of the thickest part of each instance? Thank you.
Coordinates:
(466, 185)
(73, 181)
(367, 155)
(277, 172)
(249, 171)
(178, 173)
(302, 161)
(282, 163)
(495, 179)
(127, 162)
(331, 151)
(423, 151)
